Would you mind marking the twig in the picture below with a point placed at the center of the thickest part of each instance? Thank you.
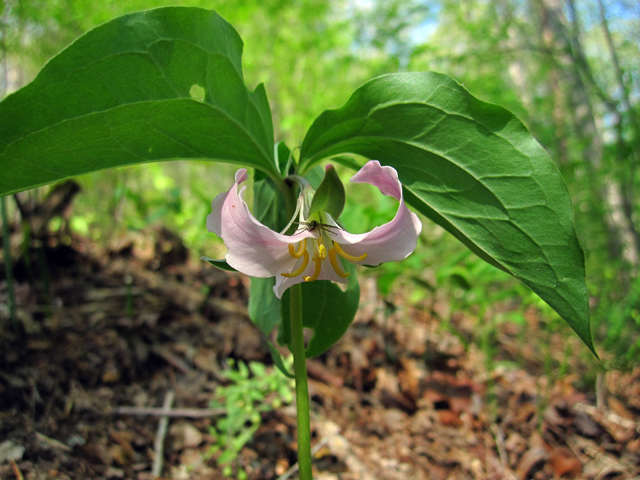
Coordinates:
(52, 442)
(294, 467)
(171, 358)
(161, 412)
(499, 439)
(158, 445)
(16, 470)
(600, 398)
(340, 447)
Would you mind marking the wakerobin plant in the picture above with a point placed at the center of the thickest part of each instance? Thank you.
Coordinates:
(167, 84)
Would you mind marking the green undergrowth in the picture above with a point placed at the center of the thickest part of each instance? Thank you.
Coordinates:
(252, 391)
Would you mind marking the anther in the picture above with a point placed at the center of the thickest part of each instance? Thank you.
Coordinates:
(316, 270)
(335, 263)
(298, 271)
(346, 256)
(298, 253)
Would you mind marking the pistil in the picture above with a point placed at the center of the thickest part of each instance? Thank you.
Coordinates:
(346, 256)
(322, 250)
(298, 253)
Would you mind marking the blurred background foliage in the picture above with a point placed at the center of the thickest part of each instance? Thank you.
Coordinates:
(570, 69)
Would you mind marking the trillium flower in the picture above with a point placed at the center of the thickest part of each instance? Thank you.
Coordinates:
(318, 247)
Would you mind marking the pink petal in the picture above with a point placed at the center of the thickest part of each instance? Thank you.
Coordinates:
(385, 178)
(253, 248)
(392, 241)
(214, 219)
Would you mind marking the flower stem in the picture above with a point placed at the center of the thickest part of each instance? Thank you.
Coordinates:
(302, 390)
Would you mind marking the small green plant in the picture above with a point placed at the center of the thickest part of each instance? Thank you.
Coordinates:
(253, 390)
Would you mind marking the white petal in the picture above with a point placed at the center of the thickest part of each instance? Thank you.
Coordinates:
(253, 248)
(392, 241)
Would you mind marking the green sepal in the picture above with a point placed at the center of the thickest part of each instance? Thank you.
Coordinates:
(330, 196)
(264, 307)
(284, 331)
(326, 309)
(265, 310)
(221, 264)
(278, 361)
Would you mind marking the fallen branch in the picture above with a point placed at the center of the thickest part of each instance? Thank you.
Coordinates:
(16, 470)
(52, 442)
(175, 412)
(294, 468)
(338, 446)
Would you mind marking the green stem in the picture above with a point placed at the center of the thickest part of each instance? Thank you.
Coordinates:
(289, 197)
(8, 265)
(302, 390)
(286, 190)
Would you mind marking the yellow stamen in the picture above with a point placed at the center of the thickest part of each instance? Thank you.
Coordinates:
(346, 256)
(316, 270)
(322, 250)
(335, 263)
(298, 253)
(298, 271)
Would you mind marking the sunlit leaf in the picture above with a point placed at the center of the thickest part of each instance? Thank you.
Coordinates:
(473, 168)
(156, 85)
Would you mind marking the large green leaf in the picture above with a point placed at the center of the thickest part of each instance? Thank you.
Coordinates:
(156, 85)
(473, 168)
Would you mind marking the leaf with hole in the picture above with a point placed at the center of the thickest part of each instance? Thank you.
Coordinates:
(151, 86)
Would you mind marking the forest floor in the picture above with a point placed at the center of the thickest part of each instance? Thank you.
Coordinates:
(399, 397)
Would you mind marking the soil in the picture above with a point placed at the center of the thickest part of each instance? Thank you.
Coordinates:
(399, 397)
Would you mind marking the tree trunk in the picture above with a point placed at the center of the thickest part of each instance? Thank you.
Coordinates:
(563, 41)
